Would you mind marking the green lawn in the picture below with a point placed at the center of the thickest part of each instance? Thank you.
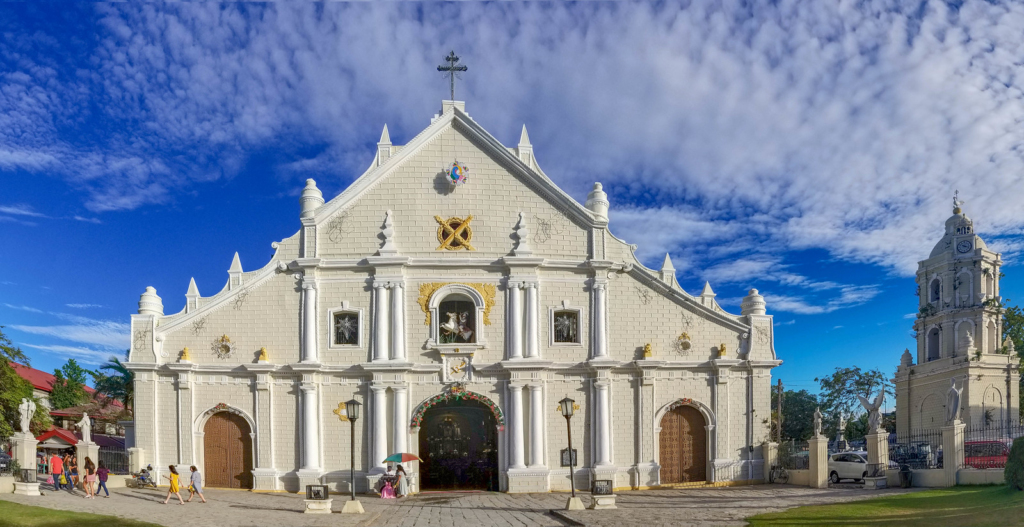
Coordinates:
(15, 515)
(957, 506)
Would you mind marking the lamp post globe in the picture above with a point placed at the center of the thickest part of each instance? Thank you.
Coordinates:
(567, 407)
(352, 412)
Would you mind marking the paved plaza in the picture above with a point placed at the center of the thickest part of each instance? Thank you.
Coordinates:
(226, 508)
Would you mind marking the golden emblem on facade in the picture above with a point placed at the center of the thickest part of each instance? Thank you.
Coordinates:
(454, 233)
(341, 411)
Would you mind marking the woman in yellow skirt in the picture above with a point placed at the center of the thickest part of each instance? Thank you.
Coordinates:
(175, 487)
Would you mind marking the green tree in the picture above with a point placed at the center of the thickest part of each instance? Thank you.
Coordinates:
(69, 386)
(1013, 327)
(797, 414)
(13, 389)
(839, 393)
(116, 381)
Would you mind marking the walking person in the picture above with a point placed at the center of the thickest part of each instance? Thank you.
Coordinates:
(195, 485)
(403, 482)
(102, 473)
(89, 478)
(56, 471)
(73, 468)
(174, 488)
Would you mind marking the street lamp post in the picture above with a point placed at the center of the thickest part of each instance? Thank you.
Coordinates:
(352, 413)
(567, 406)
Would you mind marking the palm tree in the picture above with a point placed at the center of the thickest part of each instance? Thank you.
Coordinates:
(118, 384)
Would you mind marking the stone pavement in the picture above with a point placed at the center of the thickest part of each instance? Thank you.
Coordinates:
(227, 508)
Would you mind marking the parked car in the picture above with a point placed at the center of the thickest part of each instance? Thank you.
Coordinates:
(986, 454)
(847, 465)
(5, 462)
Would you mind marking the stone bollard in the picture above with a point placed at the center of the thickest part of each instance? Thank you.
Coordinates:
(818, 458)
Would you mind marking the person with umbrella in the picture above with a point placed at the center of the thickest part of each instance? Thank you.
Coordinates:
(402, 490)
(402, 485)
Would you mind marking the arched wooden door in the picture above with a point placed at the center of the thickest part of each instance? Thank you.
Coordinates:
(683, 446)
(227, 452)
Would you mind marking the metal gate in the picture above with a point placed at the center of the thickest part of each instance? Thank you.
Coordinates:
(683, 446)
(227, 452)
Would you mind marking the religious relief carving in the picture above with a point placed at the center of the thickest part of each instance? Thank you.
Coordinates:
(548, 227)
(222, 347)
(198, 326)
(763, 337)
(682, 344)
(454, 233)
(644, 294)
(458, 367)
(141, 336)
(240, 299)
(427, 290)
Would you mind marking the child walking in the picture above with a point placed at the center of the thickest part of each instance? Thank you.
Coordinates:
(174, 489)
(195, 485)
(102, 474)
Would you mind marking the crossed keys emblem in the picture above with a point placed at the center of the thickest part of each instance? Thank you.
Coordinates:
(454, 233)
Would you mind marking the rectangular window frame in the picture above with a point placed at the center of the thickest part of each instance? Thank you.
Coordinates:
(551, 327)
(345, 308)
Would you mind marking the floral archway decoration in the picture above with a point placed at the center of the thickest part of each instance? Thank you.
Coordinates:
(457, 392)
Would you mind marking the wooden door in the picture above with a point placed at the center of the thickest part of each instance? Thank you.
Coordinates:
(228, 452)
(683, 446)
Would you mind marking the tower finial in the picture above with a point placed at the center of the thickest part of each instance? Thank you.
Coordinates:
(957, 202)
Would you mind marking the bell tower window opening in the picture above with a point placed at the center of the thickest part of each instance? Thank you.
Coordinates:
(456, 320)
(935, 290)
(933, 344)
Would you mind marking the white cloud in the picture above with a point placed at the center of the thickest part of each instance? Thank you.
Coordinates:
(745, 127)
(849, 296)
(83, 306)
(84, 355)
(24, 308)
(20, 210)
(105, 333)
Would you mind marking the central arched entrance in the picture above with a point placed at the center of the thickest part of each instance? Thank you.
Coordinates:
(683, 446)
(227, 451)
(459, 446)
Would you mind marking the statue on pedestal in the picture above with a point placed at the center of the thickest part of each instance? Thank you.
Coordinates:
(85, 425)
(817, 422)
(953, 402)
(841, 429)
(27, 408)
(874, 411)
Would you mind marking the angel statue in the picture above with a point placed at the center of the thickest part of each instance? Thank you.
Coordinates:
(817, 422)
(953, 402)
(874, 410)
(27, 408)
(85, 425)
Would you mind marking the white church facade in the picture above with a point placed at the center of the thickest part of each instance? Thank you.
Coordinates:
(459, 305)
(958, 328)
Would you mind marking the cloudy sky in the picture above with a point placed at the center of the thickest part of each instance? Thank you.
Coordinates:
(809, 149)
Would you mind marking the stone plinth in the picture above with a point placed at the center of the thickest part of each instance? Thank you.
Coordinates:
(23, 450)
(136, 459)
(818, 457)
(952, 450)
(87, 450)
(878, 447)
(875, 483)
(603, 502)
(352, 507)
(26, 489)
(574, 504)
(318, 506)
(770, 453)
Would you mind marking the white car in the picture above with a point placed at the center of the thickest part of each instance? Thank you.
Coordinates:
(847, 465)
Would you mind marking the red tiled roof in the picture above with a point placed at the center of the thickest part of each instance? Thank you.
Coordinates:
(99, 408)
(67, 436)
(40, 379)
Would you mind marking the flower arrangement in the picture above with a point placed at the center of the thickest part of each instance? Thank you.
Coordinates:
(457, 392)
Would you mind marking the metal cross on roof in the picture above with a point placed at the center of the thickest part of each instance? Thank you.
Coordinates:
(452, 69)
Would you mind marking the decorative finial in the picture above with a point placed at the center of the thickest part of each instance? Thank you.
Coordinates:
(522, 237)
(452, 70)
(957, 202)
(388, 247)
(648, 352)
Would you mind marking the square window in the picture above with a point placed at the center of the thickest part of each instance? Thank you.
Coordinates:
(346, 329)
(457, 322)
(566, 327)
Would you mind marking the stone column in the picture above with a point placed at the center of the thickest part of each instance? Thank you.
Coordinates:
(398, 323)
(817, 476)
(23, 448)
(309, 350)
(952, 450)
(380, 323)
(515, 321)
(536, 426)
(400, 424)
(600, 329)
(532, 329)
(516, 446)
(878, 447)
(602, 414)
(310, 428)
(770, 453)
(380, 429)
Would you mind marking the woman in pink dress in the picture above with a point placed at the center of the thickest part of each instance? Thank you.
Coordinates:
(388, 492)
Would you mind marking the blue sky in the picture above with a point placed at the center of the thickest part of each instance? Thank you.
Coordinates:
(809, 149)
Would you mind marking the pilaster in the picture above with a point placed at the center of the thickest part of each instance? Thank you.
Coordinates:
(309, 347)
(379, 434)
(515, 320)
(532, 328)
(381, 325)
(398, 323)
(516, 443)
(952, 450)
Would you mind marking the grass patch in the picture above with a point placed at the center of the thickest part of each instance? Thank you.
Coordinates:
(17, 515)
(957, 506)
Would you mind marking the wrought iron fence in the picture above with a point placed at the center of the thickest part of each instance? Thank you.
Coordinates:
(115, 459)
(988, 445)
(875, 470)
(5, 458)
(794, 455)
(920, 449)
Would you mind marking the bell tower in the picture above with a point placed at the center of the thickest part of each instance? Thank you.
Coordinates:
(959, 329)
